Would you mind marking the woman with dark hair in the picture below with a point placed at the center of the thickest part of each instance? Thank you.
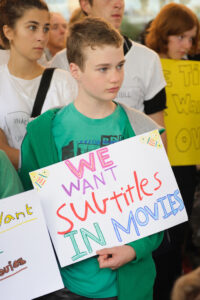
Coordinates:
(174, 34)
(24, 26)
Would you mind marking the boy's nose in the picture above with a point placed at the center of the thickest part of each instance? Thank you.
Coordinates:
(119, 3)
(115, 76)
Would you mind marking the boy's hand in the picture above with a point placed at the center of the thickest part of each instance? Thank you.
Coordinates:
(115, 257)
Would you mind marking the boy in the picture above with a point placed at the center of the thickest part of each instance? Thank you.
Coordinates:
(143, 87)
(95, 54)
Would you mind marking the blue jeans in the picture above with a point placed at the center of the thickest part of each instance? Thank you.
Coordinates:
(65, 294)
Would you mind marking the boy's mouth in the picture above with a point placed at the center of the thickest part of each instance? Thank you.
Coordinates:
(113, 90)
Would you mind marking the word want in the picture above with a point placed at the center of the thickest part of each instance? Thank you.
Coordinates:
(12, 266)
(7, 218)
(137, 190)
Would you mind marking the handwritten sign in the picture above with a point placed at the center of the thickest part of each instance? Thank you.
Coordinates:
(182, 116)
(26, 253)
(109, 197)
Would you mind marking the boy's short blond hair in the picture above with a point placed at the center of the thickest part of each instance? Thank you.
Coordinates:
(90, 32)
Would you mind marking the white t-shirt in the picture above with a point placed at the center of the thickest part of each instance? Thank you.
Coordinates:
(143, 75)
(17, 97)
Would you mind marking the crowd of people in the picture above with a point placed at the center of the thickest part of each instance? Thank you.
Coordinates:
(66, 82)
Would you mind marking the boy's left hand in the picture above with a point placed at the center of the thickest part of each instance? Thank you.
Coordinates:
(115, 257)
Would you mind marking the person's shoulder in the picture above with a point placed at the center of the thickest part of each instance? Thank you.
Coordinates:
(139, 121)
(46, 117)
(139, 49)
(60, 60)
(61, 53)
(62, 113)
(3, 156)
(62, 77)
(3, 68)
(61, 74)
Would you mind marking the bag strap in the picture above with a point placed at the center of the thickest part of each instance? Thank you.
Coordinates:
(42, 91)
(127, 44)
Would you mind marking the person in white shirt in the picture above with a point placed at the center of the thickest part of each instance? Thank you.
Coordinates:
(24, 27)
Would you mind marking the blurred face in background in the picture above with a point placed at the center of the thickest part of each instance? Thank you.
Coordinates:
(110, 10)
(180, 45)
(57, 33)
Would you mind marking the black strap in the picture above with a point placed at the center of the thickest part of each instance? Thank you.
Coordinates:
(127, 44)
(42, 91)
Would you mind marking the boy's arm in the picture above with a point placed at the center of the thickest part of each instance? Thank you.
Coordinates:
(133, 252)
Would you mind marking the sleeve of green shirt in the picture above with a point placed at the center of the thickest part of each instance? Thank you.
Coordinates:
(10, 183)
(146, 245)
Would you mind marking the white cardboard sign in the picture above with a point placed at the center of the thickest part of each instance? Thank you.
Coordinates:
(28, 267)
(109, 197)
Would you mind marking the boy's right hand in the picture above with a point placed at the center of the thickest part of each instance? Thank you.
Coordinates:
(115, 257)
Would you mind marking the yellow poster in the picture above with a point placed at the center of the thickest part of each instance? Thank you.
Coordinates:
(182, 116)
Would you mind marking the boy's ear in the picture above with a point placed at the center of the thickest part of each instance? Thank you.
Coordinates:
(85, 6)
(8, 32)
(75, 71)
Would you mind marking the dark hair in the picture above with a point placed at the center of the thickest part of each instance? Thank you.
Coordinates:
(173, 19)
(90, 32)
(12, 10)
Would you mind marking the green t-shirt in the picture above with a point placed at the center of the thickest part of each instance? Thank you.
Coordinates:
(10, 183)
(75, 134)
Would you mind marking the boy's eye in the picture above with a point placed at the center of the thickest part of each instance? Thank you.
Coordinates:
(46, 29)
(119, 67)
(102, 70)
(32, 27)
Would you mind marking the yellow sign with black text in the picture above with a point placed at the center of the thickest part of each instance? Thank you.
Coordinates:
(182, 116)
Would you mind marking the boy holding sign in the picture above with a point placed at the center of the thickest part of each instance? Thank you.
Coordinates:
(94, 120)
